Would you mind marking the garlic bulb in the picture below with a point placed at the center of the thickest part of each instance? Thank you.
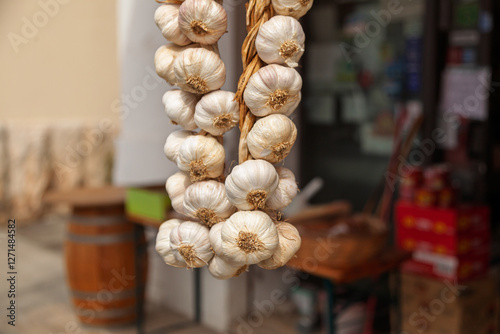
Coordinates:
(207, 201)
(202, 157)
(293, 8)
(251, 184)
(176, 187)
(222, 270)
(281, 41)
(289, 244)
(167, 19)
(217, 112)
(199, 71)
(163, 246)
(165, 57)
(180, 106)
(286, 191)
(174, 142)
(202, 21)
(190, 244)
(273, 89)
(272, 138)
(249, 237)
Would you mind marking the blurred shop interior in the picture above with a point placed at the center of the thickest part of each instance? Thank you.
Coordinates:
(397, 160)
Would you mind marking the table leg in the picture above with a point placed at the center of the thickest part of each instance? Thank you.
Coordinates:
(139, 248)
(197, 295)
(330, 306)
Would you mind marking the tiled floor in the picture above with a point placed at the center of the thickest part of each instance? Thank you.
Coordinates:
(43, 299)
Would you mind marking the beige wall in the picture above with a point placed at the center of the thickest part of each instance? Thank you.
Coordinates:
(65, 66)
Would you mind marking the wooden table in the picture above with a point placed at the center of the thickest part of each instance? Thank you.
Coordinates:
(389, 260)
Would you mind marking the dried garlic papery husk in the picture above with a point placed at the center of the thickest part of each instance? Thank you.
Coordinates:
(249, 237)
(281, 41)
(215, 237)
(272, 138)
(289, 244)
(166, 18)
(207, 201)
(286, 191)
(180, 106)
(202, 21)
(174, 142)
(199, 71)
(202, 157)
(163, 246)
(165, 57)
(251, 184)
(191, 245)
(273, 89)
(293, 8)
(222, 270)
(176, 186)
(217, 112)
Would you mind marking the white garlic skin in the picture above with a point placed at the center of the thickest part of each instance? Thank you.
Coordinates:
(215, 237)
(199, 71)
(251, 184)
(202, 21)
(281, 41)
(174, 142)
(165, 57)
(223, 270)
(271, 138)
(273, 89)
(207, 202)
(285, 192)
(289, 244)
(192, 236)
(167, 19)
(179, 107)
(249, 237)
(163, 247)
(176, 186)
(293, 8)
(217, 112)
(202, 157)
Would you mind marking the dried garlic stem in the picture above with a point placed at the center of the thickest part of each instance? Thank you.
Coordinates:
(207, 217)
(222, 121)
(198, 84)
(197, 171)
(258, 12)
(257, 198)
(199, 28)
(249, 242)
(288, 49)
(188, 254)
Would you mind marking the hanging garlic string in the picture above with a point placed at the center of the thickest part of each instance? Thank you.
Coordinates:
(258, 12)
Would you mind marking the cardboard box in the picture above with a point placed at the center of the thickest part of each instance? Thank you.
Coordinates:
(429, 306)
(456, 231)
(447, 267)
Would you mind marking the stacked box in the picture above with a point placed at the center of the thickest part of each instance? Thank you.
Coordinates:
(451, 243)
(429, 306)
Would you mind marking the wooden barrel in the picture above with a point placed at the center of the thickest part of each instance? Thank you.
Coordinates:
(101, 266)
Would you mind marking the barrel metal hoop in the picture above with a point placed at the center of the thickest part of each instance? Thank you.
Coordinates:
(106, 314)
(100, 239)
(99, 220)
(110, 296)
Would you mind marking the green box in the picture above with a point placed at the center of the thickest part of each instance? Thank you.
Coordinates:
(150, 204)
